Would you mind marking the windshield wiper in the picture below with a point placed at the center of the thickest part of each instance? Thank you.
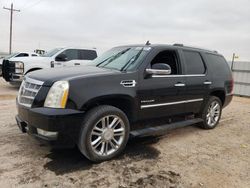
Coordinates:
(132, 60)
(112, 58)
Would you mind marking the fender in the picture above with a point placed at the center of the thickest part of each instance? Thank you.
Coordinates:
(125, 103)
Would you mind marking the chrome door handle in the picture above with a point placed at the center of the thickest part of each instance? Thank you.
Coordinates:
(207, 83)
(180, 85)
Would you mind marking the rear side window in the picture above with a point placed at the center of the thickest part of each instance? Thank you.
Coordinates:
(87, 54)
(218, 64)
(194, 63)
(33, 55)
(22, 55)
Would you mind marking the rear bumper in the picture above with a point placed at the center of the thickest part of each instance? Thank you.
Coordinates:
(56, 127)
(228, 99)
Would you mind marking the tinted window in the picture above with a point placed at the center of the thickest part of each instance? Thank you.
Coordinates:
(169, 58)
(22, 55)
(71, 54)
(33, 55)
(218, 64)
(87, 54)
(194, 63)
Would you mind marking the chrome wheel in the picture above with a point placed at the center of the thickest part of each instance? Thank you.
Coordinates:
(213, 113)
(107, 135)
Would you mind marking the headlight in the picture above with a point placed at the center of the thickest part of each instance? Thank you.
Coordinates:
(58, 95)
(19, 67)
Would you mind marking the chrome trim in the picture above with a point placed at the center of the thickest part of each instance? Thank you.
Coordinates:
(30, 80)
(180, 85)
(207, 83)
(158, 72)
(28, 91)
(177, 76)
(171, 103)
(128, 83)
(20, 79)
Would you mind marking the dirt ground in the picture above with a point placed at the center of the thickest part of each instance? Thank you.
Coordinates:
(187, 157)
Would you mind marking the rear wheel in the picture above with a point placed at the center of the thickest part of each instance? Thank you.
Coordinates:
(104, 133)
(211, 113)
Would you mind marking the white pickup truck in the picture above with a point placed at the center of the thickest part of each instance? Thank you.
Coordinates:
(13, 70)
(16, 54)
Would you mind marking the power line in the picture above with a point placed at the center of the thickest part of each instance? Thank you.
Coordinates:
(32, 4)
(11, 9)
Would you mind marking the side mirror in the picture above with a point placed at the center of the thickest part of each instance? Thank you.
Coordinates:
(159, 69)
(61, 57)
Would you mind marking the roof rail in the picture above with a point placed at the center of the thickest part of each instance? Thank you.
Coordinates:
(177, 44)
(182, 45)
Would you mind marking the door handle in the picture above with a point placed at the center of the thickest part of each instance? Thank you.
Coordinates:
(180, 85)
(207, 83)
(77, 64)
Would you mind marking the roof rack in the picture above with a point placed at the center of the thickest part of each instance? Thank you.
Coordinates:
(177, 44)
(182, 45)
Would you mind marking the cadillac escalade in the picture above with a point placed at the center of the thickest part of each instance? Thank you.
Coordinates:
(129, 91)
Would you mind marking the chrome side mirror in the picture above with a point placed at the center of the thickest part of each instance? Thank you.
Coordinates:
(159, 69)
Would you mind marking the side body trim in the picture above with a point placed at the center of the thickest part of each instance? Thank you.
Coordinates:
(170, 103)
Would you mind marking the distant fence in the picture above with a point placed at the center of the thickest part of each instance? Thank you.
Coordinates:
(241, 74)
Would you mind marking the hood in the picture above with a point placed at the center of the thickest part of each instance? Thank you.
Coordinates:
(49, 76)
(36, 59)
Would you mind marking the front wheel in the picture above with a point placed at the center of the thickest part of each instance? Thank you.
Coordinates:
(104, 133)
(211, 113)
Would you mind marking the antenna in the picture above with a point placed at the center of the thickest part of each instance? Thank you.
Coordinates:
(148, 43)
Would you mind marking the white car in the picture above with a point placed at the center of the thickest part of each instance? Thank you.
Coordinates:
(15, 68)
(17, 54)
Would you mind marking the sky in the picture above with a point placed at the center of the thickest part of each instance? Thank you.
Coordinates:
(222, 25)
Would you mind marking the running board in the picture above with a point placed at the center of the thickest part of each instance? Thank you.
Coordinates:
(162, 129)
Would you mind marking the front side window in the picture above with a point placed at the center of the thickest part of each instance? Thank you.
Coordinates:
(194, 62)
(122, 58)
(52, 52)
(22, 55)
(169, 58)
(71, 54)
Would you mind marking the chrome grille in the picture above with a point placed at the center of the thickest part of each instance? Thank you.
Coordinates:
(28, 91)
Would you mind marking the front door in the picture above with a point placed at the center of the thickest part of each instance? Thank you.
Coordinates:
(72, 59)
(163, 95)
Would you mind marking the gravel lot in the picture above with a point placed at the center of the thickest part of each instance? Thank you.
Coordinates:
(187, 157)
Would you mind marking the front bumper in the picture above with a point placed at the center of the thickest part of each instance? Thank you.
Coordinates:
(9, 72)
(65, 123)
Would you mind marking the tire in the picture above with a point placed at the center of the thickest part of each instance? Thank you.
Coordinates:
(214, 115)
(99, 139)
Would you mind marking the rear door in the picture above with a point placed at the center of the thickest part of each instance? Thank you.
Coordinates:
(86, 56)
(198, 80)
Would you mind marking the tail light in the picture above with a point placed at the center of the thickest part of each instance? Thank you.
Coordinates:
(231, 85)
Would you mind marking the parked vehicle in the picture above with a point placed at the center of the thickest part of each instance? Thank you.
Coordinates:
(97, 107)
(17, 54)
(15, 68)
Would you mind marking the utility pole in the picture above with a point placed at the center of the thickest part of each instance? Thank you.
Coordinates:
(11, 17)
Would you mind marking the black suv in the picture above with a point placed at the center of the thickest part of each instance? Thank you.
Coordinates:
(136, 90)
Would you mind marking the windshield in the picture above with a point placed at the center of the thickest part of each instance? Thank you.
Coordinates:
(122, 58)
(51, 52)
(10, 56)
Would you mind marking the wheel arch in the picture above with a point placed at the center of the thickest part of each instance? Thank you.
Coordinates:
(33, 69)
(221, 94)
(123, 102)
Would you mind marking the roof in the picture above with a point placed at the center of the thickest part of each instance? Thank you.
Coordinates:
(176, 46)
